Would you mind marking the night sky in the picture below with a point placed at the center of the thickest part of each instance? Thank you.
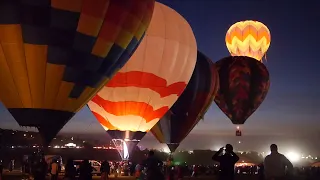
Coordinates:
(289, 115)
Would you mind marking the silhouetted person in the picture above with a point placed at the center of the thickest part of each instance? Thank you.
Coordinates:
(54, 170)
(227, 162)
(85, 170)
(275, 165)
(153, 165)
(132, 168)
(105, 170)
(1, 169)
(11, 165)
(70, 170)
(261, 171)
(40, 169)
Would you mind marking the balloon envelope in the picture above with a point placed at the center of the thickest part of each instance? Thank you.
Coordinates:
(248, 38)
(244, 83)
(55, 55)
(187, 110)
(153, 79)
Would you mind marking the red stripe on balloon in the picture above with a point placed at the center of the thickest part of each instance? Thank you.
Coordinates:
(125, 108)
(103, 121)
(146, 80)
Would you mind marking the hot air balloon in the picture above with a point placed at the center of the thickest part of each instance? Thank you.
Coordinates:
(244, 83)
(187, 110)
(55, 55)
(152, 80)
(248, 38)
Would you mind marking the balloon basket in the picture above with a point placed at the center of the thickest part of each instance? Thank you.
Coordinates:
(238, 133)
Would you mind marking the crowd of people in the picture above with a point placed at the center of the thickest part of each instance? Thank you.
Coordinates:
(275, 167)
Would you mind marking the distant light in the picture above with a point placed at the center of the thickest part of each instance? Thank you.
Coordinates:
(316, 158)
(70, 145)
(71, 138)
(24, 135)
(239, 142)
(293, 157)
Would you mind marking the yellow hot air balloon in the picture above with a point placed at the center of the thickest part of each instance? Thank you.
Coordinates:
(248, 38)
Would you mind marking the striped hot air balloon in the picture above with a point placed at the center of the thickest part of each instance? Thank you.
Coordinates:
(248, 38)
(190, 106)
(153, 79)
(56, 54)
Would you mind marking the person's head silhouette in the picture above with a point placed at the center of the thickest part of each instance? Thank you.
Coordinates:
(151, 153)
(229, 148)
(274, 148)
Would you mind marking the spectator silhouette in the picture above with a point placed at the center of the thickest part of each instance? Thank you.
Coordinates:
(40, 169)
(1, 169)
(105, 170)
(85, 170)
(276, 164)
(70, 170)
(54, 170)
(227, 162)
(153, 165)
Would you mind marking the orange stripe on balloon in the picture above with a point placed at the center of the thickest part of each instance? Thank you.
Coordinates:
(146, 80)
(125, 108)
(258, 34)
(104, 122)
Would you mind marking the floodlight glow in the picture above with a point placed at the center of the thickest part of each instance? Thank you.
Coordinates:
(166, 150)
(293, 157)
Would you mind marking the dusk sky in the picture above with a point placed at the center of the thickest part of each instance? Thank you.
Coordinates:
(290, 113)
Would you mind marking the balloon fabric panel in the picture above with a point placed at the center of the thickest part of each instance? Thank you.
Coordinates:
(213, 89)
(186, 112)
(55, 55)
(154, 77)
(50, 60)
(244, 83)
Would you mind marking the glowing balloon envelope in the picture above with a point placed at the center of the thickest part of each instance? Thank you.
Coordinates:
(248, 38)
(55, 55)
(152, 80)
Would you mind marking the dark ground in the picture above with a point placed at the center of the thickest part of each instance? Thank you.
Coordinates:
(244, 177)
